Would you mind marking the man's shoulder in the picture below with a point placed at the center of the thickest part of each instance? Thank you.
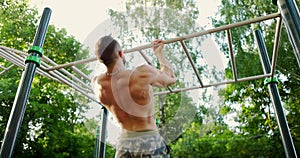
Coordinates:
(98, 78)
(143, 71)
(144, 68)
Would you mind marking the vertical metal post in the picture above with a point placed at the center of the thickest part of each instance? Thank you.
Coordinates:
(97, 143)
(103, 133)
(288, 145)
(19, 106)
(291, 19)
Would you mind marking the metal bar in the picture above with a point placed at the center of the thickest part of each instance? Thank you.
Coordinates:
(19, 106)
(197, 34)
(55, 75)
(233, 63)
(275, 47)
(145, 57)
(72, 67)
(72, 76)
(287, 141)
(19, 61)
(192, 62)
(72, 64)
(82, 91)
(205, 32)
(216, 84)
(2, 67)
(103, 133)
(6, 69)
(67, 81)
(291, 17)
(97, 143)
(44, 58)
(80, 73)
(11, 58)
(63, 71)
(15, 51)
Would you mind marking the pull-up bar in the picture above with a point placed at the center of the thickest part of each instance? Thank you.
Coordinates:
(172, 40)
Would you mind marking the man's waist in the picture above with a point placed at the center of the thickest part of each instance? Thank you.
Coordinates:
(139, 133)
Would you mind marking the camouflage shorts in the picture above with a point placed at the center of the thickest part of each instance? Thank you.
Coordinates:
(141, 144)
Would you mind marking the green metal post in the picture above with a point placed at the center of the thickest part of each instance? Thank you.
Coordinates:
(19, 106)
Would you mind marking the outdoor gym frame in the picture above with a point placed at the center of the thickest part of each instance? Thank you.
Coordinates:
(289, 14)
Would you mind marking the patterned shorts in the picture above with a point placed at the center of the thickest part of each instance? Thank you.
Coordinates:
(141, 144)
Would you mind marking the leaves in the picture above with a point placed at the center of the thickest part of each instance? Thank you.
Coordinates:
(255, 113)
(53, 124)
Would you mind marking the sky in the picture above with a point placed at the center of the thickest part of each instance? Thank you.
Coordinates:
(81, 17)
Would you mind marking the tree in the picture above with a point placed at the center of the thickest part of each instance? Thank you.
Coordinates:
(256, 114)
(53, 125)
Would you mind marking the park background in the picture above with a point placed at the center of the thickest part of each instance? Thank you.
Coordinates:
(236, 120)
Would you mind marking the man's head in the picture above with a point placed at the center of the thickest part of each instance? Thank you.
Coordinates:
(108, 50)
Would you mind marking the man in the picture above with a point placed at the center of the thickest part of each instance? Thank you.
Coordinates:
(128, 95)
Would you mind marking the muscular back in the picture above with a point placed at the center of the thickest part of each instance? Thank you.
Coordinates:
(128, 95)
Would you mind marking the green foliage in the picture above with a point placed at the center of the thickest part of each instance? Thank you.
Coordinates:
(221, 142)
(53, 124)
(255, 113)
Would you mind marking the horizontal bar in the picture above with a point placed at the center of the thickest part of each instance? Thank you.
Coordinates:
(11, 55)
(76, 88)
(205, 32)
(18, 61)
(76, 70)
(2, 67)
(215, 84)
(21, 53)
(66, 81)
(71, 64)
(44, 58)
(197, 34)
(6, 69)
(70, 75)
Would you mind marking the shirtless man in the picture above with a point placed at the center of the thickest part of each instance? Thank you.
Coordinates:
(128, 95)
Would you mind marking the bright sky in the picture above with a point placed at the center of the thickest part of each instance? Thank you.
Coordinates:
(81, 17)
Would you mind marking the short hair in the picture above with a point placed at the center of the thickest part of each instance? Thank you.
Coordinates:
(107, 50)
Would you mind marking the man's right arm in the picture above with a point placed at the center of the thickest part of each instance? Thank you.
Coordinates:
(165, 65)
(166, 74)
(157, 77)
